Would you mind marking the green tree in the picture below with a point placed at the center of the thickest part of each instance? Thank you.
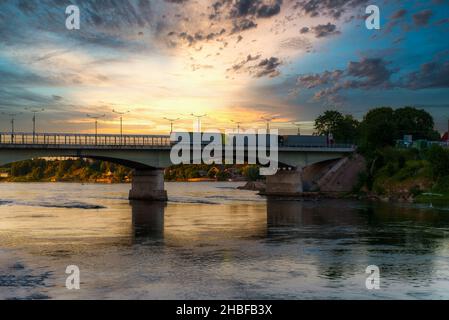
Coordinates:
(328, 122)
(439, 160)
(251, 172)
(379, 128)
(416, 122)
(37, 173)
(344, 128)
(21, 168)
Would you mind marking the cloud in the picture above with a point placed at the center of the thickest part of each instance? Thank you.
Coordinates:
(267, 67)
(324, 30)
(19, 97)
(296, 43)
(433, 74)
(176, 1)
(240, 65)
(242, 25)
(244, 13)
(321, 30)
(370, 72)
(315, 80)
(398, 14)
(375, 73)
(199, 36)
(254, 8)
(422, 18)
(366, 74)
(330, 8)
(196, 67)
(304, 30)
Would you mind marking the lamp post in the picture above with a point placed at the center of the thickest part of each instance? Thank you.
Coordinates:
(238, 123)
(12, 118)
(296, 124)
(199, 120)
(34, 112)
(121, 114)
(172, 121)
(268, 120)
(96, 124)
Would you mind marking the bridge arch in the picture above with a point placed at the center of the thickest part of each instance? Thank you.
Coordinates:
(138, 160)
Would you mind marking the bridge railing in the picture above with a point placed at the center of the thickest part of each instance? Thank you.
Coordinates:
(327, 146)
(20, 138)
(136, 141)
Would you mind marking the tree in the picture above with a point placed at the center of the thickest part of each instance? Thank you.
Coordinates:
(328, 122)
(343, 128)
(415, 122)
(21, 168)
(439, 160)
(251, 172)
(379, 128)
(348, 130)
(37, 174)
(382, 126)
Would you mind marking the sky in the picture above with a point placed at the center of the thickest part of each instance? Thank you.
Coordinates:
(234, 60)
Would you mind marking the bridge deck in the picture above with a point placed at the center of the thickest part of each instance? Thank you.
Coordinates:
(113, 142)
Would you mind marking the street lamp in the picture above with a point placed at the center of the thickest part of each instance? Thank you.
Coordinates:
(298, 125)
(238, 123)
(172, 121)
(34, 111)
(121, 114)
(12, 118)
(268, 120)
(96, 123)
(199, 120)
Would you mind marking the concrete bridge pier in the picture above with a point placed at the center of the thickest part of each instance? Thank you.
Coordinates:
(285, 183)
(148, 185)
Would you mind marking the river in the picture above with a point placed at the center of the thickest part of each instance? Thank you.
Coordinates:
(212, 241)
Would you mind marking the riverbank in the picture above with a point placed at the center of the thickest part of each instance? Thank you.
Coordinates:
(403, 196)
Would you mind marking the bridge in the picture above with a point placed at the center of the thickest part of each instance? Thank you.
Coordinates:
(149, 155)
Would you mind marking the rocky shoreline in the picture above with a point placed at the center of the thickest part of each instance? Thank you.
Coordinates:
(260, 186)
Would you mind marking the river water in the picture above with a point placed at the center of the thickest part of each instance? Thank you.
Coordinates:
(211, 241)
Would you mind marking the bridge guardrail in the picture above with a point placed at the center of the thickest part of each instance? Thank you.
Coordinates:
(84, 139)
(113, 140)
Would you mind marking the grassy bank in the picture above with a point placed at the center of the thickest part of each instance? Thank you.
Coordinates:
(407, 174)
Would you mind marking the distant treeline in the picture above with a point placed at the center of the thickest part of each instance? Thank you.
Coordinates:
(82, 170)
(380, 127)
(70, 170)
(215, 172)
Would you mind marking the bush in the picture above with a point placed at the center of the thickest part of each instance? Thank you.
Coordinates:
(442, 185)
(439, 160)
(415, 191)
(251, 172)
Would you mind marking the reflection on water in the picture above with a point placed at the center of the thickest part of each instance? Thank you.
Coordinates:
(405, 239)
(147, 220)
(213, 241)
